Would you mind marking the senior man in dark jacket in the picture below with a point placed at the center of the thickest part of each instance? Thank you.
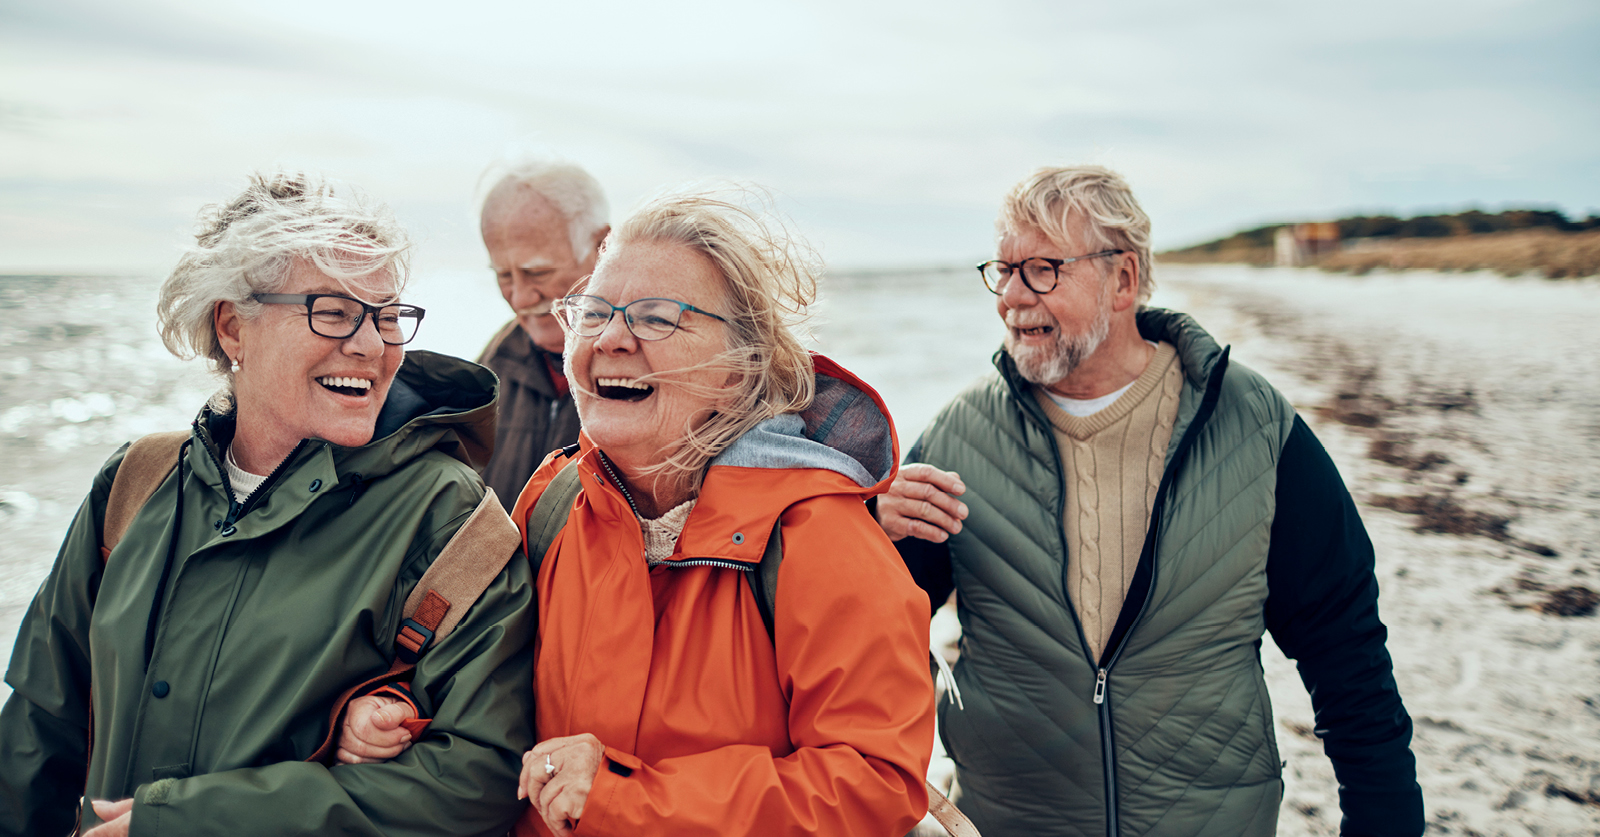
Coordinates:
(1135, 512)
(542, 223)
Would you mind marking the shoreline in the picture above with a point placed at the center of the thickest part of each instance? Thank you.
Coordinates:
(1549, 253)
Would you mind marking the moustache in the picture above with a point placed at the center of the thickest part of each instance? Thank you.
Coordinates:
(539, 310)
(1019, 320)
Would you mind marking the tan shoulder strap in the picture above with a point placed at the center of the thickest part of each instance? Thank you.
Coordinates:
(464, 569)
(144, 467)
(948, 814)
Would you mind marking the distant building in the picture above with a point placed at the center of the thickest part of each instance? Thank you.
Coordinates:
(1298, 244)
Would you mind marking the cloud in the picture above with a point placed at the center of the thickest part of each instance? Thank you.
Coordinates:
(890, 130)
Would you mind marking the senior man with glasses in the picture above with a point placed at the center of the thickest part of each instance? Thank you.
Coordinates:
(1124, 513)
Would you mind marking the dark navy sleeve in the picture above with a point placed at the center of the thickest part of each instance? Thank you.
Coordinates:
(928, 562)
(1322, 610)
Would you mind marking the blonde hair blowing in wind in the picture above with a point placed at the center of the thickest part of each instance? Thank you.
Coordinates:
(771, 280)
(249, 246)
(1096, 200)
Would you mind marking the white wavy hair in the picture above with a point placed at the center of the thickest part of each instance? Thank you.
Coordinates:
(566, 185)
(1052, 198)
(770, 280)
(250, 244)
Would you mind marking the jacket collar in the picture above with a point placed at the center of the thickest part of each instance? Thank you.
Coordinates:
(853, 451)
(1198, 354)
(515, 357)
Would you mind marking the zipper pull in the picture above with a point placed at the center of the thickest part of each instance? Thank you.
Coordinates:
(1100, 687)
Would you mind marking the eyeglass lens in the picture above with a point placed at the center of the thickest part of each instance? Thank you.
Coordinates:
(1037, 273)
(339, 318)
(648, 319)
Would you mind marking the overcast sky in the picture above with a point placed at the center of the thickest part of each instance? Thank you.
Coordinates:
(888, 130)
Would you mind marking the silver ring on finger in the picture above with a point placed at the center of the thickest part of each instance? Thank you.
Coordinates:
(549, 769)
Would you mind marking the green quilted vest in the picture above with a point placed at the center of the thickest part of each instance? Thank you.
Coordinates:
(1173, 725)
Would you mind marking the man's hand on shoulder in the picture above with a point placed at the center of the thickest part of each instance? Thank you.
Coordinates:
(921, 502)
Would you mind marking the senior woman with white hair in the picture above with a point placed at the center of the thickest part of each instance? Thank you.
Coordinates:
(187, 673)
(667, 701)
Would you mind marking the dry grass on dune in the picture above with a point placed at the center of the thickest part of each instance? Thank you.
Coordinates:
(1256, 256)
(1548, 252)
(1554, 254)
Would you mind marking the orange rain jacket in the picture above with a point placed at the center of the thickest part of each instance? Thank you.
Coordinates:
(710, 725)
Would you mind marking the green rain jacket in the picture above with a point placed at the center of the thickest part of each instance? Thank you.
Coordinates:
(214, 657)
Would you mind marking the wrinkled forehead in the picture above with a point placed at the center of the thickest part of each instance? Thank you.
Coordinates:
(1069, 237)
(642, 269)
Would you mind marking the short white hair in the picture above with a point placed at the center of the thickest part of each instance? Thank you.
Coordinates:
(250, 244)
(1050, 198)
(571, 190)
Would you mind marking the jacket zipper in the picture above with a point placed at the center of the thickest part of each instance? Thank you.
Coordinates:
(704, 562)
(693, 562)
(1103, 673)
(237, 509)
(615, 480)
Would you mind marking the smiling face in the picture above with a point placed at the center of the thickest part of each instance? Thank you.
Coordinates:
(293, 384)
(636, 398)
(531, 254)
(1050, 335)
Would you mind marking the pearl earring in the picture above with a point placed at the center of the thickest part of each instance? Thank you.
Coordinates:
(236, 365)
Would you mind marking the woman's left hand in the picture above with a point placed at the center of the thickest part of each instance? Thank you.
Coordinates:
(559, 795)
(115, 818)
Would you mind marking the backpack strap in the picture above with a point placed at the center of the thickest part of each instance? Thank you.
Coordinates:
(948, 814)
(144, 467)
(549, 514)
(764, 583)
(466, 567)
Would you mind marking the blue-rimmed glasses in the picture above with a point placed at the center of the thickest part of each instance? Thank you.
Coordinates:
(1039, 273)
(651, 318)
(338, 317)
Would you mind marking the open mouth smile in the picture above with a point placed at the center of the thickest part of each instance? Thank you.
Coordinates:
(1034, 331)
(622, 389)
(346, 386)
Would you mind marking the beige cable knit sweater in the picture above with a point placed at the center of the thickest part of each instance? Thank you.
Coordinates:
(1113, 461)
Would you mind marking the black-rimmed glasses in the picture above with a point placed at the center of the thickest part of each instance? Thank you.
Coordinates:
(1039, 273)
(338, 317)
(648, 319)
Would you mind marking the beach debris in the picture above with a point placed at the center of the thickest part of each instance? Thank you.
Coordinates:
(1587, 797)
(1576, 600)
(1551, 599)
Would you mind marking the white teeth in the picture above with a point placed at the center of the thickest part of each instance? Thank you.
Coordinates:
(349, 383)
(620, 382)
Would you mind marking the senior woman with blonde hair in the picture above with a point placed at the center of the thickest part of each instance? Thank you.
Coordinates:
(665, 702)
(185, 675)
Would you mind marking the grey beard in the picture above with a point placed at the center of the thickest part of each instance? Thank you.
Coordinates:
(1047, 365)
